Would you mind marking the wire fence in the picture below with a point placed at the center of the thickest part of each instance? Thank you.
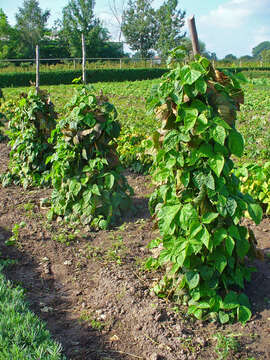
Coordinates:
(26, 65)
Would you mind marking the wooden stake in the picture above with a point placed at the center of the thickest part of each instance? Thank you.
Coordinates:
(193, 35)
(37, 67)
(83, 60)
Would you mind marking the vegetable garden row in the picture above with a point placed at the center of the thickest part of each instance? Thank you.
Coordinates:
(202, 191)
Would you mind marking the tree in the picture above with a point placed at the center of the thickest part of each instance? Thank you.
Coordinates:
(246, 58)
(117, 11)
(265, 55)
(78, 18)
(265, 45)
(140, 26)
(230, 58)
(170, 23)
(31, 25)
(5, 36)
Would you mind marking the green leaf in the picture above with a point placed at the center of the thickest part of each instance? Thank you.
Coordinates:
(206, 272)
(221, 262)
(209, 217)
(230, 301)
(216, 163)
(201, 86)
(198, 314)
(229, 245)
(206, 150)
(166, 216)
(185, 177)
(219, 134)
(192, 279)
(236, 143)
(190, 117)
(109, 181)
(187, 215)
(189, 76)
(223, 317)
(89, 120)
(243, 314)
(242, 247)
(204, 237)
(95, 190)
(202, 124)
(221, 122)
(256, 213)
(75, 187)
(233, 231)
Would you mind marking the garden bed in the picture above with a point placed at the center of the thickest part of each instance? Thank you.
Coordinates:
(93, 292)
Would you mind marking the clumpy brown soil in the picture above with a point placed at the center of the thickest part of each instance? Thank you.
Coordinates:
(95, 297)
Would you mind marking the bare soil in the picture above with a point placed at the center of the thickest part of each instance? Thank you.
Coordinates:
(95, 296)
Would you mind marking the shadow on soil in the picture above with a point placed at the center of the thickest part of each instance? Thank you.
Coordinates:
(50, 300)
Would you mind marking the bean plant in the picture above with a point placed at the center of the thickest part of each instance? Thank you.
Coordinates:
(198, 204)
(30, 125)
(255, 180)
(86, 175)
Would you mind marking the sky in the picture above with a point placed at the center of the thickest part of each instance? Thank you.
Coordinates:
(225, 26)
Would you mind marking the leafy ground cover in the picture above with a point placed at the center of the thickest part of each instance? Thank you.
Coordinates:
(22, 334)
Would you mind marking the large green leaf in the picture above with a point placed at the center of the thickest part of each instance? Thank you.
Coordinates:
(188, 75)
(229, 242)
(190, 117)
(219, 134)
(256, 213)
(166, 216)
(243, 314)
(109, 181)
(221, 262)
(216, 163)
(192, 279)
(236, 143)
(209, 217)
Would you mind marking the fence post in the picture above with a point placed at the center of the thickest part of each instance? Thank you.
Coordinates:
(83, 61)
(193, 35)
(37, 67)
(120, 63)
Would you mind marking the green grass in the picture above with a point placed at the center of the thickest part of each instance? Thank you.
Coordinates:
(22, 335)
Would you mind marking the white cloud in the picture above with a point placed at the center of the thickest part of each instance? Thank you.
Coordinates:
(235, 26)
(260, 34)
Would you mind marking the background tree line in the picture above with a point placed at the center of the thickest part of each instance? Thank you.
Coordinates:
(146, 30)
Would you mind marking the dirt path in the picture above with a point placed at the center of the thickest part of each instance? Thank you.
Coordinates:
(94, 295)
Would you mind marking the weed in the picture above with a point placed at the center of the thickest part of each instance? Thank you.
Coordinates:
(87, 316)
(15, 233)
(28, 207)
(226, 345)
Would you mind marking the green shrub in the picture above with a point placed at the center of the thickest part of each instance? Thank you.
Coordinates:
(132, 148)
(88, 183)
(30, 126)
(198, 204)
(92, 76)
(255, 180)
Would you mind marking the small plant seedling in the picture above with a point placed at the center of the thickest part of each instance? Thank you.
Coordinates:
(15, 233)
(226, 345)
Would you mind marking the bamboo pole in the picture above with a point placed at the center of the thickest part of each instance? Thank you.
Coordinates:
(193, 35)
(83, 61)
(37, 67)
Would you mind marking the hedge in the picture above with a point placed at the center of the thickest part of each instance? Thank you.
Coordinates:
(100, 75)
(65, 77)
